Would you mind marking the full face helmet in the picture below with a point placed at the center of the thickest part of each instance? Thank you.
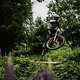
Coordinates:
(54, 18)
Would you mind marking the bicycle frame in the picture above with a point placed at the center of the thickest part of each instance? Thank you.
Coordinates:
(55, 35)
(53, 41)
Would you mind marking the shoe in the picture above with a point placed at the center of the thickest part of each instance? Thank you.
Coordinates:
(44, 45)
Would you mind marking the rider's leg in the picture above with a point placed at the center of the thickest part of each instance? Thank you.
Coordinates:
(47, 38)
(50, 33)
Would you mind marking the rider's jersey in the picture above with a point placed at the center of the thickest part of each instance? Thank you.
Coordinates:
(53, 26)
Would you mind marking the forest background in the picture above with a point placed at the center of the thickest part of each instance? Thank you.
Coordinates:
(24, 37)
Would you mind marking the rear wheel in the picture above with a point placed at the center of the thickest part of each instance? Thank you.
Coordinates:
(52, 45)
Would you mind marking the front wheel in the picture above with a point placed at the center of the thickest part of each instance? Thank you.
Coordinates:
(59, 42)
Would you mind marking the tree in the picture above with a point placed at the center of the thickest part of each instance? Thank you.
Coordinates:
(38, 36)
(13, 13)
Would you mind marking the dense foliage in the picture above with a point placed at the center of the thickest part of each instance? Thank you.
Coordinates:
(38, 36)
(69, 20)
(2, 67)
(13, 13)
(26, 67)
(20, 33)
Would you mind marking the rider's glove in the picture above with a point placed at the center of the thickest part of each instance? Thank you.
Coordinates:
(62, 30)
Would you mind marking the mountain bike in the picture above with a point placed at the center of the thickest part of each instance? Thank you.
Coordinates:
(54, 42)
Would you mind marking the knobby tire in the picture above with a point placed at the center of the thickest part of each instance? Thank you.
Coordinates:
(48, 45)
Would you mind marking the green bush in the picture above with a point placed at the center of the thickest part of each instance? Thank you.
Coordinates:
(25, 67)
(2, 68)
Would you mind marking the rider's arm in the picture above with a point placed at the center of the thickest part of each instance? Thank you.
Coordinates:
(59, 26)
(49, 28)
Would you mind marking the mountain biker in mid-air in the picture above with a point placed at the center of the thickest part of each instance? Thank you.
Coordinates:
(52, 26)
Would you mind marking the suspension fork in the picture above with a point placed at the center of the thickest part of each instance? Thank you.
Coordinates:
(55, 37)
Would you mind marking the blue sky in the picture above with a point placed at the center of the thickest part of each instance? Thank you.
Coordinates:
(40, 9)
